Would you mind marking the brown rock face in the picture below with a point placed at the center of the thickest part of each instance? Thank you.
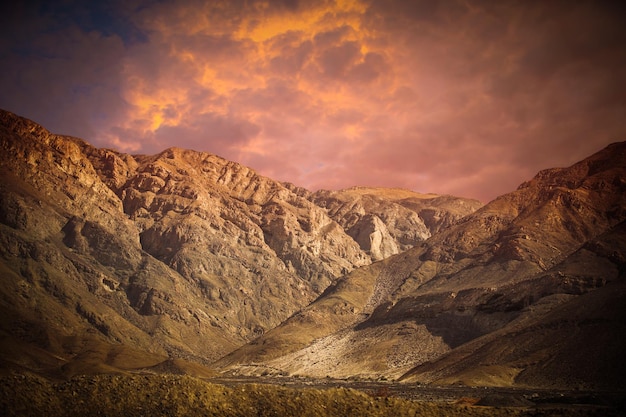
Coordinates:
(112, 262)
(526, 290)
(388, 221)
(179, 254)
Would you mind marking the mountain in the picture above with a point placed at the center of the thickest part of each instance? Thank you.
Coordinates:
(386, 221)
(185, 262)
(526, 291)
(112, 261)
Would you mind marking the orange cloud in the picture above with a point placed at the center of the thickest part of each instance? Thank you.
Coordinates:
(462, 97)
(317, 55)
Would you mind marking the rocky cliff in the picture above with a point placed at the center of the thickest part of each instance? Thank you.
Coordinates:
(385, 221)
(525, 291)
(112, 262)
(181, 254)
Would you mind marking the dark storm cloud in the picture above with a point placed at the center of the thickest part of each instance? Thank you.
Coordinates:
(291, 57)
(225, 133)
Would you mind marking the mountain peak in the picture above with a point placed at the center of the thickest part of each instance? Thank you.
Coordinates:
(181, 253)
(387, 193)
(482, 301)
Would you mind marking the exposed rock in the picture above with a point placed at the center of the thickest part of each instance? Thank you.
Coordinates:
(371, 233)
(388, 221)
(487, 297)
(181, 253)
(112, 262)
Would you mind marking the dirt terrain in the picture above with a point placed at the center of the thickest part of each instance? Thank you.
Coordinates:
(456, 394)
(176, 395)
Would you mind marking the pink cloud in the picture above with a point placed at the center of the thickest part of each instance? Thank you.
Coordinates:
(464, 98)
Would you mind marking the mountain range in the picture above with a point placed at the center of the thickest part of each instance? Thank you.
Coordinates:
(186, 262)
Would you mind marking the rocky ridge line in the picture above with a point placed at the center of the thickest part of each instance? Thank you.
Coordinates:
(180, 254)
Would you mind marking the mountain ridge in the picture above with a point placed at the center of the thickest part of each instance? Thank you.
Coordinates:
(183, 254)
(185, 262)
(535, 250)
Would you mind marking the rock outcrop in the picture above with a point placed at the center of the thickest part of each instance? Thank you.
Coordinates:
(181, 254)
(510, 294)
(386, 221)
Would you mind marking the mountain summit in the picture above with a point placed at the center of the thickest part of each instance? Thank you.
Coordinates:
(113, 261)
(185, 262)
(526, 291)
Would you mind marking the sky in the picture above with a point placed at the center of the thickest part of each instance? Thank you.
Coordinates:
(461, 97)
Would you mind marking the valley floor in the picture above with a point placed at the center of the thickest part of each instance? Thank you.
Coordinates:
(458, 394)
(174, 395)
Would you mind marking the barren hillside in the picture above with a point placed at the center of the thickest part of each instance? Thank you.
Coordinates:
(179, 255)
(525, 291)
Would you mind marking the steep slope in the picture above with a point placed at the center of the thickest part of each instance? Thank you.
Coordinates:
(525, 261)
(108, 257)
(387, 221)
(181, 254)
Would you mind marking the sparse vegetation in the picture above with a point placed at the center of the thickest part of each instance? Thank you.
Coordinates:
(169, 395)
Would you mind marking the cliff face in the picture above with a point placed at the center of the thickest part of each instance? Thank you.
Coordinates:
(114, 262)
(388, 221)
(510, 294)
(181, 254)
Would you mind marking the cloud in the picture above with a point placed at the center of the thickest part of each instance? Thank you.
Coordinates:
(53, 72)
(290, 57)
(462, 97)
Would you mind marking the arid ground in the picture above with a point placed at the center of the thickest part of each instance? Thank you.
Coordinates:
(173, 395)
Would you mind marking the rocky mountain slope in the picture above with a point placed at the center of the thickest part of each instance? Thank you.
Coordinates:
(528, 290)
(112, 261)
(385, 221)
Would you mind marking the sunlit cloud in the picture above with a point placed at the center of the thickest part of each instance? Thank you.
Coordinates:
(458, 97)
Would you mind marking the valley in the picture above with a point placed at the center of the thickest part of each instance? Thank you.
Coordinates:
(117, 270)
(175, 395)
